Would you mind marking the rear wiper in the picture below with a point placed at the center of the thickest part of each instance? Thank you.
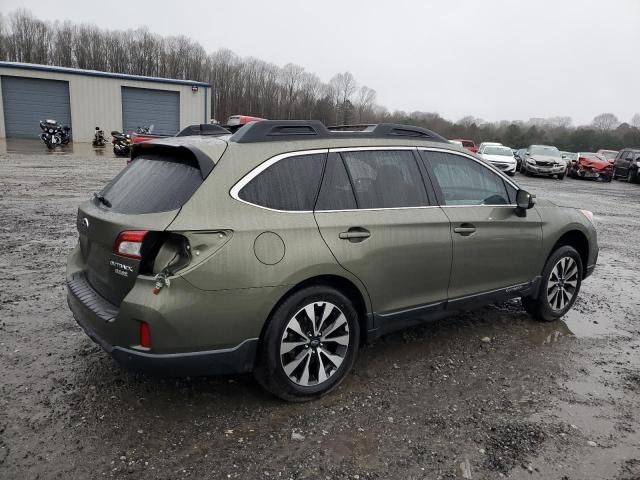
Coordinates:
(102, 200)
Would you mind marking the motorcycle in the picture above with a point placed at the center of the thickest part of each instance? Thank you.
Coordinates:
(99, 139)
(54, 134)
(121, 143)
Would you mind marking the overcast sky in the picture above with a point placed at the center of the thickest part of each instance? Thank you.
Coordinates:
(488, 58)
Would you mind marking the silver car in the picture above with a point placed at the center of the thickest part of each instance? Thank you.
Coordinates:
(543, 160)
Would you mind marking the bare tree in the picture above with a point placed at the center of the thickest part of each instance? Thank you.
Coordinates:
(291, 78)
(635, 120)
(365, 100)
(605, 121)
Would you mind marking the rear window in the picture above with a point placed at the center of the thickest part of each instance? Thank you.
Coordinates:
(467, 143)
(152, 184)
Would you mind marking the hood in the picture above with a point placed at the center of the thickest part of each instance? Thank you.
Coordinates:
(498, 158)
(546, 158)
(594, 164)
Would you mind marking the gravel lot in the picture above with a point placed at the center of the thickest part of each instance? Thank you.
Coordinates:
(553, 401)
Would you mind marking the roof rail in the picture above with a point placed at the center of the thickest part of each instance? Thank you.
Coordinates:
(278, 130)
(203, 129)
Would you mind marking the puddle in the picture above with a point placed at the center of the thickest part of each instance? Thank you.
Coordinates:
(30, 146)
(587, 418)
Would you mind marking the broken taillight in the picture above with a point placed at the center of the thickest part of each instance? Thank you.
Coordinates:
(129, 244)
(145, 335)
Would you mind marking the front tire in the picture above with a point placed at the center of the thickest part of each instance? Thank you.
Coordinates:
(559, 287)
(633, 176)
(310, 344)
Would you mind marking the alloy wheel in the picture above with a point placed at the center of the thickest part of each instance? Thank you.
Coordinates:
(314, 343)
(562, 284)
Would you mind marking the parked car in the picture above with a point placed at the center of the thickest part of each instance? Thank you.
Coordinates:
(627, 164)
(500, 157)
(484, 144)
(609, 155)
(283, 248)
(468, 144)
(543, 160)
(591, 165)
(569, 157)
(235, 122)
(519, 155)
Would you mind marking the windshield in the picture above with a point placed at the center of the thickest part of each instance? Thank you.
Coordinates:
(570, 156)
(608, 154)
(505, 151)
(544, 150)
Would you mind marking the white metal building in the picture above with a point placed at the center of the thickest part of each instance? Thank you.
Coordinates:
(85, 99)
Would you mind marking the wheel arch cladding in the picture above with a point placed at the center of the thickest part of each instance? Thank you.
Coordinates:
(577, 240)
(345, 286)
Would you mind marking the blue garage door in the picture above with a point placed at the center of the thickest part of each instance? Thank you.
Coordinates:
(26, 101)
(143, 107)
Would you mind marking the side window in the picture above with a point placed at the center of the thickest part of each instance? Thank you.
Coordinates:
(465, 182)
(289, 184)
(629, 155)
(336, 192)
(385, 179)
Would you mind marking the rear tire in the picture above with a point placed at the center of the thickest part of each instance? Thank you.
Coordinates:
(559, 287)
(302, 358)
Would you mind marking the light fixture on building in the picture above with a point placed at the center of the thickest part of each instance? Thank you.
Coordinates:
(194, 88)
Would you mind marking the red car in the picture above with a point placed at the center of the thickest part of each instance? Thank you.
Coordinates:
(591, 165)
(236, 121)
(468, 144)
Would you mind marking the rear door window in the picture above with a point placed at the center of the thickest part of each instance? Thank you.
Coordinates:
(385, 178)
(290, 184)
(336, 192)
(152, 184)
(464, 181)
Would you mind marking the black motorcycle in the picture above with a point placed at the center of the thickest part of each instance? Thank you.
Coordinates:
(99, 139)
(54, 134)
(121, 143)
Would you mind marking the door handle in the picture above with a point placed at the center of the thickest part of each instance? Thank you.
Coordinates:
(355, 234)
(465, 229)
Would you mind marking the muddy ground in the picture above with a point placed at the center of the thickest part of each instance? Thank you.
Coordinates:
(557, 401)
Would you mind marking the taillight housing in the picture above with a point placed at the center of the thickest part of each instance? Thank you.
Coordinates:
(129, 244)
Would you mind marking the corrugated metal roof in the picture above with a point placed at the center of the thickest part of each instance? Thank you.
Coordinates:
(96, 73)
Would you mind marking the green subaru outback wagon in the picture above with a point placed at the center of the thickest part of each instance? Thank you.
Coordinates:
(281, 249)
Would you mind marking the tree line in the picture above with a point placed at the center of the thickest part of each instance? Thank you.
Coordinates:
(251, 86)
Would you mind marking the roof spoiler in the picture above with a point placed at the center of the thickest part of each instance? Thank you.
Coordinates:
(189, 155)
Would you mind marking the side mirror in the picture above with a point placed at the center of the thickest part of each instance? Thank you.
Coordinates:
(524, 201)
(527, 154)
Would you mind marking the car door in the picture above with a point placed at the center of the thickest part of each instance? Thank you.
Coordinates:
(374, 213)
(493, 247)
(625, 163)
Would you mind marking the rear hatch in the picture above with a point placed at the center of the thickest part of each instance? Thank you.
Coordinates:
(144, 197)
